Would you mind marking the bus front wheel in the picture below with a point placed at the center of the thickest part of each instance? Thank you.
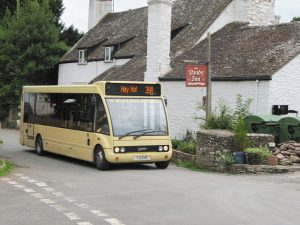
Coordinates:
(39, 149)
(100, 160)
(162, 165)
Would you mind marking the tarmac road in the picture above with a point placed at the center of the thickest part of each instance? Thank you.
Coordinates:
(55, 190)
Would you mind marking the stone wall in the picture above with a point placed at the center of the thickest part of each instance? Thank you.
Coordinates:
(179, 156)
(213, 144)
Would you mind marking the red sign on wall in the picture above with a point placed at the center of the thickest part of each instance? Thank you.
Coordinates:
(195, 75)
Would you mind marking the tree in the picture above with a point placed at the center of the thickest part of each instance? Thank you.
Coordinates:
(70, 35)
(296, 19)
(29, 50)
(7, 4)
(56, 7)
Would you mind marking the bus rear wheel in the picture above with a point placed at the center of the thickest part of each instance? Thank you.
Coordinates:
(100, 161)
(39, 148)
(162, 165)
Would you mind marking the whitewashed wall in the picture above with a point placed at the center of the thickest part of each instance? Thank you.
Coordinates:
(158, 40)
(72, 73)
(182, 101)
(235, 11)
(256, 12)
(285, 86)
(257, 91)
(97, 10)
(182, 104)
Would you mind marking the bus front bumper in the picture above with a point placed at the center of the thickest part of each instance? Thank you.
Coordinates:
(136, 157)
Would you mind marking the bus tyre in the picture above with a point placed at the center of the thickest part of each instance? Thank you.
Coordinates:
(100, 160)
(162, 165)
(39, 149)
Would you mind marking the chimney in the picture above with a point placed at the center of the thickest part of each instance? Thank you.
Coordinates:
(97, 10)
(261, 13)
(159, 38)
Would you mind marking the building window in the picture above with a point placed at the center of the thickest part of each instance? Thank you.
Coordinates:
(108, 54)
(82, 59)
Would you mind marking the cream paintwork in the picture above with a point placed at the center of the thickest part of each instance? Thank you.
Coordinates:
(74, 143)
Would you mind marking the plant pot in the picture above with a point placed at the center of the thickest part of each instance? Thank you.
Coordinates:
(272, 161)
(253, 158)
(240, 157)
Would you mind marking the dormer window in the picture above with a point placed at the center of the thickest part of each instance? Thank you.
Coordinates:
(82, 58)
(108, 57)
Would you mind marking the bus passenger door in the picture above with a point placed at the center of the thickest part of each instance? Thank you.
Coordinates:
(29, 109)
(30, 131)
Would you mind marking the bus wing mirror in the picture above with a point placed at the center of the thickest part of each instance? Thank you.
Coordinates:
(166, 100)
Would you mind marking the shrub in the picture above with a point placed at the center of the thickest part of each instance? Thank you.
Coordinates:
(188, 147)
(240, 135)
(221, 118)
(262, 153)
(225, 118)
(176, 143)
(228, 161)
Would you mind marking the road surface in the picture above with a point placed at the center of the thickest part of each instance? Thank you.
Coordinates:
(55, 190)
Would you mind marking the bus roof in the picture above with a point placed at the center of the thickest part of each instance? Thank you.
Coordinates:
(101, 87)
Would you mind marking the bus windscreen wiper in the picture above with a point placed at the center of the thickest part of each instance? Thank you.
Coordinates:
(149, 132)
(132, 132)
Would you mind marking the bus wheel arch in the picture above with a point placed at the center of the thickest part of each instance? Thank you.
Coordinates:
(162, 165)
(99, 158)
(39, 147)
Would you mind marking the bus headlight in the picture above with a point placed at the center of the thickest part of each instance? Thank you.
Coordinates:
(117, 149)
(160, 148)
(122, 149)
(166, 148)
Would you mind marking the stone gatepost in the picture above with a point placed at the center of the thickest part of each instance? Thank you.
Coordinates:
(211, 145)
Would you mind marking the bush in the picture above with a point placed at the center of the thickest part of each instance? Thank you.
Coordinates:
(176, 143)
(188, 147)
(261, 153)
(221, 118)
(228, 161)
(225, 118)
(240, 135)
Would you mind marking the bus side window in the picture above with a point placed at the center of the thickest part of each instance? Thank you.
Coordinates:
(26, 108)
(31, 108)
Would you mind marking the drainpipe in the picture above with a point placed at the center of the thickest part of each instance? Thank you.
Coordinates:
(256, 96)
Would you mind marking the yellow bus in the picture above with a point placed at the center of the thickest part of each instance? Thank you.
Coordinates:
(104, 123)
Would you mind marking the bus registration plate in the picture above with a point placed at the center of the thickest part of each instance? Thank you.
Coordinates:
(142, 157)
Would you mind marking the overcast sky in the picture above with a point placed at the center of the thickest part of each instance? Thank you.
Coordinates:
(76, 11)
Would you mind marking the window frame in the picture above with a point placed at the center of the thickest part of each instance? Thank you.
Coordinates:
(108, 50)
(82, 56)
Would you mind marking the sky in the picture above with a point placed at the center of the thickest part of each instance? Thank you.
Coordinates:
(76, 11)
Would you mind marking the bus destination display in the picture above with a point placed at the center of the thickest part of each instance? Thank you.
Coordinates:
(132, 89)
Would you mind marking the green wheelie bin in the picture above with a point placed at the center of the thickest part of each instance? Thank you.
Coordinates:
(264, 124)
(290, 128)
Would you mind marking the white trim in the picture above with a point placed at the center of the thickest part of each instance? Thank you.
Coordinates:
(108, 58)
(82, 57)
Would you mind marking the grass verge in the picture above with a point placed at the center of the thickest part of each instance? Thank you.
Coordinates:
(191, 166)
(6, 169)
